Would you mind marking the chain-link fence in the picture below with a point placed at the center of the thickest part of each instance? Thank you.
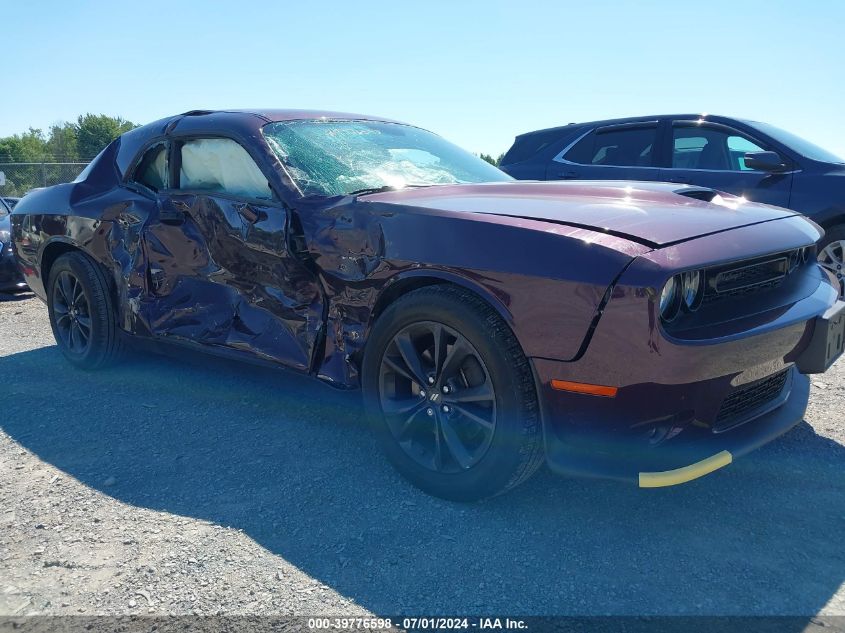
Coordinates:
(22, 177)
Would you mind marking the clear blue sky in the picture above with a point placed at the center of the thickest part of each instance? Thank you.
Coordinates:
(477, 72)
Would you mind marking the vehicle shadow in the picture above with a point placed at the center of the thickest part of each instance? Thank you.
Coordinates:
(291, 462)
(22, 295)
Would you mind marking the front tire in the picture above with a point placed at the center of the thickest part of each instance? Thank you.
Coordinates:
(452, 396)
(82, 312)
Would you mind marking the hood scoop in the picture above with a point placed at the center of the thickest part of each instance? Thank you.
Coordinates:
(705, 194)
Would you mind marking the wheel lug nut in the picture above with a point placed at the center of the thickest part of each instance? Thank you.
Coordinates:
(429, 411)
(431, 380)
(445, 408)
(446, 389)
(422, 393)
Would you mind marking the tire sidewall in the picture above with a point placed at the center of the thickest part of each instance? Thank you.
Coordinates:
(98, 308)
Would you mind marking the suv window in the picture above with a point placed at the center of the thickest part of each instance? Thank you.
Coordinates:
(221, 165)
(618, 146)
(152, 170)
(703, 147)
(528, 145)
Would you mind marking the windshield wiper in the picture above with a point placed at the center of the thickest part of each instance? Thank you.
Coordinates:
(366, 190)
(383, 188)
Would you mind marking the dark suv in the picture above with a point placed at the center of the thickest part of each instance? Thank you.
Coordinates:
(746, 158)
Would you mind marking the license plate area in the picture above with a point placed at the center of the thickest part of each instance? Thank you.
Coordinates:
(827, 343)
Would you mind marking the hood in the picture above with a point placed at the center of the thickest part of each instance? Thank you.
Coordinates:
(654, 214)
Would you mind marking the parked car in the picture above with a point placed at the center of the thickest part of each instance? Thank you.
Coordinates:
(11, 279)
(10, 201)
(755, 160)
(491, 323)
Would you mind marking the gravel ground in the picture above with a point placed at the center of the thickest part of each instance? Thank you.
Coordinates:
(191, 485)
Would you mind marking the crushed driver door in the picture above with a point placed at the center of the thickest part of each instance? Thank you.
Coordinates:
(220, 270)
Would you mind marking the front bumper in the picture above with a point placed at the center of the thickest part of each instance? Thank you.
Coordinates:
(827, 342)
(674, 410)
(694, 452)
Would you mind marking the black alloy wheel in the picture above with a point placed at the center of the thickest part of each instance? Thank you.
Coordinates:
(437, 397)
(82, 312)
(451, 395)
(72, 313)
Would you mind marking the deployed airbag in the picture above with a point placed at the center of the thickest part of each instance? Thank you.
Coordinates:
(222, 166)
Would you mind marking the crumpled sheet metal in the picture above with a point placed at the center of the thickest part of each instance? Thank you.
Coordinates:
(362, 249)
(299, 285)
(223, 281)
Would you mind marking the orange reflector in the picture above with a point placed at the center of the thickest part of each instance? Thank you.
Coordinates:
(583, 387)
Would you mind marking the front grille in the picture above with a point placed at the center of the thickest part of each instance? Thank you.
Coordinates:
(723, 282)
(747, 398)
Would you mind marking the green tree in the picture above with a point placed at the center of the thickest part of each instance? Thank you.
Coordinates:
(493, 161)
(62, 144)
(95, 131)
(23, 148)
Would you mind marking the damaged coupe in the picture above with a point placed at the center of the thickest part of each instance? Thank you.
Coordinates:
(647, 332)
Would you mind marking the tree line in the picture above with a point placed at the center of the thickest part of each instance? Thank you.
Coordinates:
(493, 161)
(40, 158)
(66, 142)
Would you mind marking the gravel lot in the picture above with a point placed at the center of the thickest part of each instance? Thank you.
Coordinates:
(193, 485)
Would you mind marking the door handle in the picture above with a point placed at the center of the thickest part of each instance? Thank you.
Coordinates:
(568, 175)
(247, 213)
(680, 179)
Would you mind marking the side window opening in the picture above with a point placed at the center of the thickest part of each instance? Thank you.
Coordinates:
(710, 148)
(527, 146)
(618, 147)
(152, 170)
(220, 165)
(582, 152)
(737, 148)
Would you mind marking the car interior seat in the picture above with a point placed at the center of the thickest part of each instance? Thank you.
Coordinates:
(711, 157)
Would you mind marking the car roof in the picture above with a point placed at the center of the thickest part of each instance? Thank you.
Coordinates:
(633, 119)
(272, 115)
(268, 115)
(277, 114)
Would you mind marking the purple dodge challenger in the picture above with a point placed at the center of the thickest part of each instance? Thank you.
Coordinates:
(647, 332)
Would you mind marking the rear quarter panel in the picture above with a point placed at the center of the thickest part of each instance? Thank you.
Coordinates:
(106, 226)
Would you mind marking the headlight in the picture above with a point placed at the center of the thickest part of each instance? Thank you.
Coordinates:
(670, 299)
(5, 237)
(692, 289)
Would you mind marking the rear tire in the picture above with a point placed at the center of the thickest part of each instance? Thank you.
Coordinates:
(460, 419)
(82, 313)
(831, 254)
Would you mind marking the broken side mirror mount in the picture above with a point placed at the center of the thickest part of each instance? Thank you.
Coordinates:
(171, 212)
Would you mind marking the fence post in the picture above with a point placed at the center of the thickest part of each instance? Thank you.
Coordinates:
(44, 173)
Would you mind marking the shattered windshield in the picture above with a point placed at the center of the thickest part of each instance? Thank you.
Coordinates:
(329, 158)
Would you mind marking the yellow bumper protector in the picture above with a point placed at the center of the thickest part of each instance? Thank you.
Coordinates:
(687, 473)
